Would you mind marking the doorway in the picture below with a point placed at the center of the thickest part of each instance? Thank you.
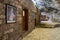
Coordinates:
(35, 21)
(25, 19)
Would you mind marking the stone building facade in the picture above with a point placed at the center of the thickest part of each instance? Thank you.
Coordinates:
(16, 31)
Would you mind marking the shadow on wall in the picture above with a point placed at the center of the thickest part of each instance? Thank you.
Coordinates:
(44, 25)
(57, 25)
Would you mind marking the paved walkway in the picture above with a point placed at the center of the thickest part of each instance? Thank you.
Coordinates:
(44, 34)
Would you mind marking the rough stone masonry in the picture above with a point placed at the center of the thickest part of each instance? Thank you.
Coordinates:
(13, 31)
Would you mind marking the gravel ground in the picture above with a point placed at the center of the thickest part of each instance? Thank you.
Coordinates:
(44, 34)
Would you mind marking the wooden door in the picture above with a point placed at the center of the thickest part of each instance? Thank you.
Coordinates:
(25, 19)
(35, 21)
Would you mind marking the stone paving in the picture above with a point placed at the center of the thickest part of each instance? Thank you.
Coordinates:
(44, 34)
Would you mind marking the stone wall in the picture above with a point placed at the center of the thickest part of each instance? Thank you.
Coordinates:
(14, 31)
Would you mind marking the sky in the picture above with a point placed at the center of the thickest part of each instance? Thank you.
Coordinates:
(38, 3)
